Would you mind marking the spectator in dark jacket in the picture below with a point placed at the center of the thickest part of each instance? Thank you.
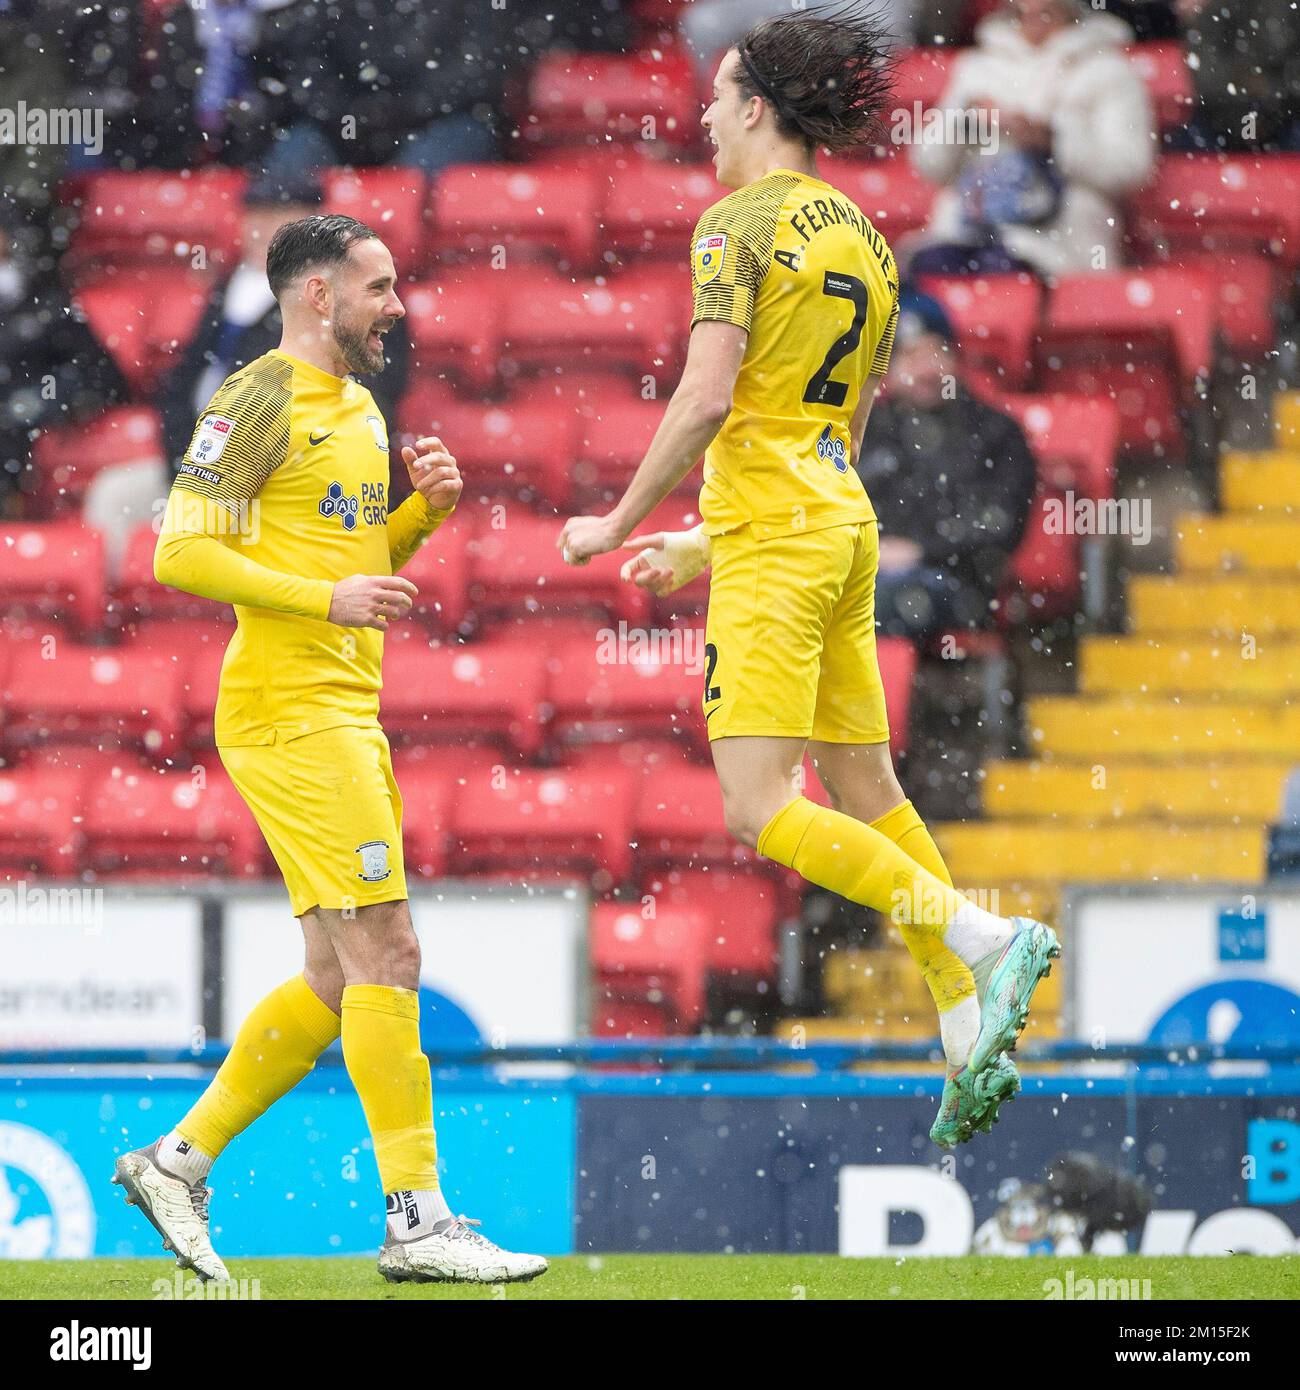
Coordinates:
(388, 81)
(241, 320)
(951, 480)
(52, 369)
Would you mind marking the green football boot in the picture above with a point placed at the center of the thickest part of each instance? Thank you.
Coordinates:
(1004, 1004)
(971, 1100)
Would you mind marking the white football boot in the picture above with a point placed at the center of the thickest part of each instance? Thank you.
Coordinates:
(455, 1255)
(177, 1211)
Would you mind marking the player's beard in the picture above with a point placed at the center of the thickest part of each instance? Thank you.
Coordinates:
(354, 344)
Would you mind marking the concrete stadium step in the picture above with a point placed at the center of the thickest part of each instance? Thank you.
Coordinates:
(1261, 541)
(1189, 665)
(1091, 794)
(1228, 605)
(1267, 481)
(1099, 729)
(1286, 420)
(1131, 852)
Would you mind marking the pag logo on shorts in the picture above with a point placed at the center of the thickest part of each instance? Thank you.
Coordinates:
(830, 446)
(210, 438)
(46, 1211)
(335, 504)
(374, 861)
(709, 252)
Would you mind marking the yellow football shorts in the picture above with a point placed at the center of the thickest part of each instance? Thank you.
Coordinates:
(790, 642)
(331, 813)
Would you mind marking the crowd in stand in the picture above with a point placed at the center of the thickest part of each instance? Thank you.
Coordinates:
(281, 88)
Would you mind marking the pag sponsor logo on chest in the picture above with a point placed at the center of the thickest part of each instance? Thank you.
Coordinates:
(368, 505)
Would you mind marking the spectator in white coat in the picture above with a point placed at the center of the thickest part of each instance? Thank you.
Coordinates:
(1075, 134)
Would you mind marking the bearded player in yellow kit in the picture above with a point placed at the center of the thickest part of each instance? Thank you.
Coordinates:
(795, 304)
(281, 508)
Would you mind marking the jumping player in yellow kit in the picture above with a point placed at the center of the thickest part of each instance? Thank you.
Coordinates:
(281, 507)
(795, 305)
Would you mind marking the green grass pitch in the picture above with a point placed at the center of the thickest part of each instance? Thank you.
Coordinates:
(617, 1277)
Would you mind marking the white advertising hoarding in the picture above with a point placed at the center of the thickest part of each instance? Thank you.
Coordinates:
(1176, 963)
(512, 963)
(91, 967)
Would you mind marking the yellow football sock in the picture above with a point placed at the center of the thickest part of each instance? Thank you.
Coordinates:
(277, 1045)
(381, 1046)
(948, 977)
(856, 861)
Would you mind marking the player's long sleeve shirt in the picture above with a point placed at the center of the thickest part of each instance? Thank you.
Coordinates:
(283, 492)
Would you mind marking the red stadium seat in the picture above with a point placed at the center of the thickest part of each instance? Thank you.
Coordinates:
(519, 569)
(646, 759)
(1141, 337)
(67, 458)
(635, 684)
(551, 322)
(440, 571)
(678, 822)
(886, 188)
(591, 98)
(195, 650)
(390, 200)
(489, 691)
(1043, 575)
(145, 319)
(40, 830)
(609, 448)
(191, 218)
(922, 74)
(1163, 67)
(1216, 203)
(552, 820)
(428, 790)
(652, 207)
(1074, 438)
(83, 694)
(897, 659)
(995, 318)
(53, 569)
(529, 211)
(742, 908)
(454, 326)
(515, 449)
(168, 825)
(663, 957)
(615, 1017)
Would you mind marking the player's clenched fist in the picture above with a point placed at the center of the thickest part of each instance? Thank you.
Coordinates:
(666, 560)
(371, 600)
(434, 473)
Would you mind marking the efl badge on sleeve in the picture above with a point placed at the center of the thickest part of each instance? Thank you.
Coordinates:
(709, 251)
(210, 438)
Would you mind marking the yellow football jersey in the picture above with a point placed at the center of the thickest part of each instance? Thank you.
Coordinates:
(793, 261)
(293, 463)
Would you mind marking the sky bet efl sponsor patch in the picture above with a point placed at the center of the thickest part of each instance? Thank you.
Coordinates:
(210, 438)
(709, 251)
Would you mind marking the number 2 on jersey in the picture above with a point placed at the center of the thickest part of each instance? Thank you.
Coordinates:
(821, 390)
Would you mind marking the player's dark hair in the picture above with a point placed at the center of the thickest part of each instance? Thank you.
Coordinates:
(311, 243)
(824, 72)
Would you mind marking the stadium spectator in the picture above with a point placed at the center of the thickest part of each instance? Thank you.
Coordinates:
(951, 480)
(1246, 74)
(52, 369)
(241, 320)
(710, 27)
(1074, 134)
(372, 82)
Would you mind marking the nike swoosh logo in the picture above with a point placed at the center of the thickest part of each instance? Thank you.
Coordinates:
(312, 440)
